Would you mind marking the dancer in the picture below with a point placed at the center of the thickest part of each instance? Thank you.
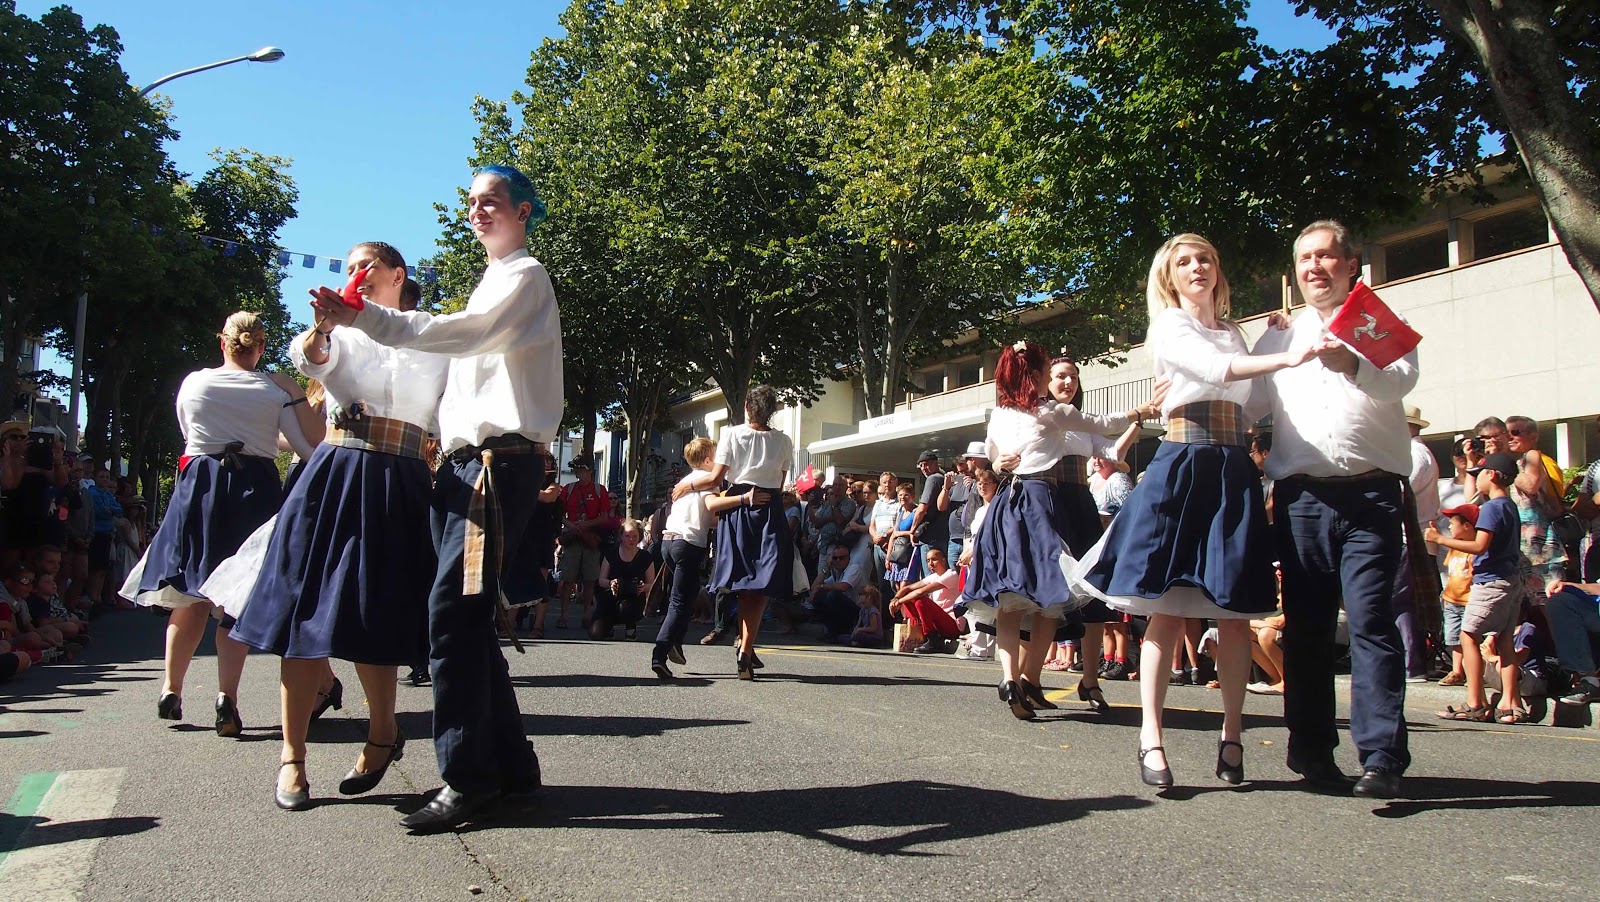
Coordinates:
(1215, 560)
(227, 485)
(346, 570)
(755, 555)
(1340, 447)
(502, 403)
(685, 537)
(1017, 571)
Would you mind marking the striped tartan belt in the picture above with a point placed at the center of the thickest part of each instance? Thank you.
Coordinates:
(1074, 470)
(380, 434)
(485, 524)
(1208, 423)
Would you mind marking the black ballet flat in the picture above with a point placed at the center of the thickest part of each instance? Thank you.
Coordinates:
(1230, 773)
(333, 698)
(1095, 699)
(228, 722)
(1035, 696)
(299, 799)
(1159, 778)
(357, 782)
(170, 707)
(1016, 700)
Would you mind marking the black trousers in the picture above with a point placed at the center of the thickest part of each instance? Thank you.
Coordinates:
(478, 735)
(682, 560)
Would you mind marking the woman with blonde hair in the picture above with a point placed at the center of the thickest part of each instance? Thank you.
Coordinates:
(1191, 540)
(227, 486)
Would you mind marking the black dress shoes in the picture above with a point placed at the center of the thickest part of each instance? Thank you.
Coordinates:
(293, 799)
(333, 698)
(1324, 775)
(357, 782)
(1036, 699)
(449, 809)
(1377, 783)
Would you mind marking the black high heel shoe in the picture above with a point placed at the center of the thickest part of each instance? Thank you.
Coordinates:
(296, 800)
(356, 782)
(747, 670)
(333, 698)
(1035, 696)
(170, 707)
(228, 722)
(1160, 778)
(1013, 696)
(1232, 773)
(1095, 699)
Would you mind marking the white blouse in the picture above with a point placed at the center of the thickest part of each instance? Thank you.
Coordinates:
(505, 375)
(217, 407)
(1048, 433)
(1197, 360)
(755, 456)
(397, 383)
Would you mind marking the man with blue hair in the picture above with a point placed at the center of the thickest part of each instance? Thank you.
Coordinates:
(502, 403)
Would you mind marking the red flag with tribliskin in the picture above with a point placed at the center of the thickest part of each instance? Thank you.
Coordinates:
(807, 481)
(1371, 329)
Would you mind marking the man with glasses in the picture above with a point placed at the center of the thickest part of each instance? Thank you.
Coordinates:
(834, 594)
(1492, 430)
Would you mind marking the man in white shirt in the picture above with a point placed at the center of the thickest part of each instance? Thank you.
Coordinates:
(1340, 448)
(929, 603)
(502, 403)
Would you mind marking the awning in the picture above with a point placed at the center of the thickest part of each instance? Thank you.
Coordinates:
(896, 447)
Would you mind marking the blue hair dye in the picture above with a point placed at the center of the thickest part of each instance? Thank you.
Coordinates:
(521, 190)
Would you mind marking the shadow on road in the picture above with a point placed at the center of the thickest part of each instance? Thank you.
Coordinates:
(1425, 794)
(598, 681)
(18, 833)
(878, 819)
(420, 724)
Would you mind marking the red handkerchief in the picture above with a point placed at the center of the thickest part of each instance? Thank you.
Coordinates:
(807, 481)
(351, 293)
(1371, 329)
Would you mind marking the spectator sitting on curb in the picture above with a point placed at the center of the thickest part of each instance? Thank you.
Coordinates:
(869, 622)
(928, 604)
(836, 593)
(1574, 613)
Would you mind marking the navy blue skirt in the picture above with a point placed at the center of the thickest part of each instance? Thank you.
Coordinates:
(350, 563)
(214, 508)
(754, 552)
(1019, 547)
(1196, 519)
(1082, 518)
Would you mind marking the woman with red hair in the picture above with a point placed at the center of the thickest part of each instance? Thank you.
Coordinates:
(1017, 571)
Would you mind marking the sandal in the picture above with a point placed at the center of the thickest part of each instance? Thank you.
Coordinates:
(1454, 679)
(1479, 714)
(1513, 716)
(1057, 664)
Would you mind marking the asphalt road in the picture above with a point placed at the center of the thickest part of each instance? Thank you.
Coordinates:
(841, 774)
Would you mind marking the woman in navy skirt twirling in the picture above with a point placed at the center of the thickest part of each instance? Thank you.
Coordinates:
(1191, 541)
(753, 553)
(227, 486)
(350, 561)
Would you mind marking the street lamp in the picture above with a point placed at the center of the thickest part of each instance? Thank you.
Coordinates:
(264, 55)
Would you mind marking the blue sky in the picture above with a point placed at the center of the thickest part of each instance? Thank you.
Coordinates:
(372, 100)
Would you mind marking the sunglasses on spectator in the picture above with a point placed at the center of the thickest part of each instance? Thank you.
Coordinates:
(1491, 436)
(1519, 433)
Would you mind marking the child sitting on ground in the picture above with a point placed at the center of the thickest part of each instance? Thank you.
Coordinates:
(869, 623)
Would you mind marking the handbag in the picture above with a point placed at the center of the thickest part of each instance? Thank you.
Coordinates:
(900, 551)
(1568, 528)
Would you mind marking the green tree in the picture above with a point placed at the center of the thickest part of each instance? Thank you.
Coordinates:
(1517, 73)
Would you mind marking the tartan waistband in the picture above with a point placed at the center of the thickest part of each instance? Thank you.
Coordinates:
(381, 434)
(484, 546)
(1074, 469)
(500, 444)
(1208, 423)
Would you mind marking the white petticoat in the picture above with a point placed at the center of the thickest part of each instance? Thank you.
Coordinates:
(1179, 601)
(164, 597)
(230, 584)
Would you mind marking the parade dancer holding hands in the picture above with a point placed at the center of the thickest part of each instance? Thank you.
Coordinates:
(1192, 539)
(502, 402)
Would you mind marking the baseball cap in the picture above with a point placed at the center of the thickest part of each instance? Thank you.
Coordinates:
(1500, 462)
(1467, 512)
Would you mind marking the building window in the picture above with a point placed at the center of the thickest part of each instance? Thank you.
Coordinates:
(1415, 256)
(968, 373)
(1510, 231)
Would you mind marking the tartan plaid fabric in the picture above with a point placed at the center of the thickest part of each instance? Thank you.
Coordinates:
(380, 434)
(483, 512)
(1208, 423)
(1074, 469)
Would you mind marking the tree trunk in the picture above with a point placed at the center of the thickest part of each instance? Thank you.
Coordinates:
(1518, 52)
(13, 332)
(586, 411)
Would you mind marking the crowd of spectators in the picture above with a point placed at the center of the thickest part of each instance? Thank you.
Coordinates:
(69, 533)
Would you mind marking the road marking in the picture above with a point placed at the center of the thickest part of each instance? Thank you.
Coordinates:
(31, 790)
(73, 807)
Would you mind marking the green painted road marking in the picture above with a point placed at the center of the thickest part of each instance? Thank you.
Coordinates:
(31, 790)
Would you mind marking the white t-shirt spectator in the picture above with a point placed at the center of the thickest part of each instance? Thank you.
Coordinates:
(949, 589)
(757, 457)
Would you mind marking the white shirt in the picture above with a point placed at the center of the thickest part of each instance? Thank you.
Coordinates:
(885, 515)
(217, 407)
(505, 378)
(1326, 424)
(689, 517)
(1048, 433)
(948, 592)
(1197, 360)
(755, 456)
(1425, 482)
(397, 383)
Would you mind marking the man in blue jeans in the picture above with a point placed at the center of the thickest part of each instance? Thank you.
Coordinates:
(1339, 451)
(1574, 612)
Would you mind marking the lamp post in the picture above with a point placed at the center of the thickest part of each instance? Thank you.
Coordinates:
(264, 55)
